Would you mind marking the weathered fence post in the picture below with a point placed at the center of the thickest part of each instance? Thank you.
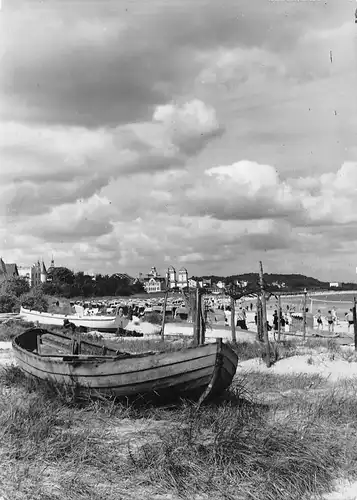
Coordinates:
(165, 304)
(355, 322)
(196, 317)
(304, 315)
(259, 320)
(279, 317)
(202, 336)
(264, 315)
(233, 321)
(164, 315)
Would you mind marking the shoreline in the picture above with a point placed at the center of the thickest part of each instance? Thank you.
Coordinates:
(327, 292)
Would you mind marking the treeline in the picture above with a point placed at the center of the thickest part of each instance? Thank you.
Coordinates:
(293, 282)
(63, 282)
(15, 292)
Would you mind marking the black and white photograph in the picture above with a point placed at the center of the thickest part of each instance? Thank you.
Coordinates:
(178, 250)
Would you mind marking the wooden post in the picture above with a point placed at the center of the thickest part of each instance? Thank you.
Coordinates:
(233, 321)
(203, 321)
(355, 322)
(279, 314)
(304, 315)
(164, 315)
(264, 315)
(196, 318)
(199, 316)
(259, 320)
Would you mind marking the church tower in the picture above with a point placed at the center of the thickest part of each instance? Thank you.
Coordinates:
(43, 275)
(172, 276)
(182, 278)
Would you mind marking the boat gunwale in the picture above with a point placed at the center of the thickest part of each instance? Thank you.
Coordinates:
(59, 359)
(33, 312)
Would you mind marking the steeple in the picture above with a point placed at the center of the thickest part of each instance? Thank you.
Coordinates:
(43, 277)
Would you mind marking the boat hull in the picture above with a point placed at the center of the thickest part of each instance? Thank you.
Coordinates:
(99, 323)
(175, 374)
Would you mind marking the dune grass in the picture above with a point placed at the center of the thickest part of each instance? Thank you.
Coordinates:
(140, 345)
(244, 446)
(271, 437)
(12, 327)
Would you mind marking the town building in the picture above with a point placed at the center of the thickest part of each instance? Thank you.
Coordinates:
(279, 284)
(153, 282)
(335, 285)
(205, 282)
(182, 279)
(36, 274)
(177, 280)
(7, 271)
(241, 283)
(216, 290)
(192, 283)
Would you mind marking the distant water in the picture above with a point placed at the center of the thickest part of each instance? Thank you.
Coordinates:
(341, 302)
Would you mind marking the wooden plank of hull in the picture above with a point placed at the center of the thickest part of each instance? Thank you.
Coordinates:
(182, 381)
(189, 380)
(133, 364)
(171, 386)
(91, 373)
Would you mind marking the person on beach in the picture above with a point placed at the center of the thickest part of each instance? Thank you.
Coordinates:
(121, 320)
(349, 318)
(227, 316)
(282, 319)
(334, 315)
(330, 322)
(318, 317)
(241, 319)
(275, 321)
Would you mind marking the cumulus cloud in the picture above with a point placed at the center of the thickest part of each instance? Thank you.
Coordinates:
(189, 126)
(107, 150)
(75, 222)
(333, 197)
(242, 191)
(49, 166)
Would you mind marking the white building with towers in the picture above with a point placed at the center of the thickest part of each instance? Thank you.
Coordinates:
(177, 280)
(154, 282)
(35, 274)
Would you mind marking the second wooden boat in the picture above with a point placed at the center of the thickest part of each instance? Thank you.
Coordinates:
(99, 323)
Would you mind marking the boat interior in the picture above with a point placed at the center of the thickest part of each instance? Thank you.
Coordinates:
(45, 343)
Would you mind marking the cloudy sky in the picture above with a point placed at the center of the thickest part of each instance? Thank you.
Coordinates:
(199, 133)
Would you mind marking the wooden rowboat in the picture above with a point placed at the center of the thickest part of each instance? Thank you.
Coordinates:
(99, 323)
(197, 372)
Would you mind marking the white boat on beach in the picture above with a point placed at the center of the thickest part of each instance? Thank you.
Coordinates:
(99, 323)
